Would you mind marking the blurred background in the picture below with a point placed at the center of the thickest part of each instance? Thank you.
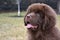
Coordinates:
(12, 14)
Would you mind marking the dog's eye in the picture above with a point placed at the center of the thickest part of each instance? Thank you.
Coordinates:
(37, 14)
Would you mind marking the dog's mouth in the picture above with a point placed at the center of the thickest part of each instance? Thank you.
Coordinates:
(29, 25)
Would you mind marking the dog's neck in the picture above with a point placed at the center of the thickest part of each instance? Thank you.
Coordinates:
(42, 35)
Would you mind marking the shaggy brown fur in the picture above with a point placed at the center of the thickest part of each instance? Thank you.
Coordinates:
(44, 17)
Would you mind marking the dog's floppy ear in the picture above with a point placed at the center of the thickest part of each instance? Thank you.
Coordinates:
(49, 20)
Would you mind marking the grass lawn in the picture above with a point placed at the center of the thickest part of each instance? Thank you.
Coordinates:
(12, 27)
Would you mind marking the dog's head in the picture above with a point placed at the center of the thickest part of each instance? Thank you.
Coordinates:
(40, 17)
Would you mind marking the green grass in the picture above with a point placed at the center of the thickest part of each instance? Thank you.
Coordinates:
(12, 27)
(58, 21)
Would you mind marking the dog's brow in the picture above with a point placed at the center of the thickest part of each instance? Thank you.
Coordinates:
(31, 14)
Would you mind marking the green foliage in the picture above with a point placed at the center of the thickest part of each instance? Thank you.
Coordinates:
(25, 3)
(8, 5)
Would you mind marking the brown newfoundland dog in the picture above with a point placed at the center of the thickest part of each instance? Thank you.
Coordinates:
(40, 22)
